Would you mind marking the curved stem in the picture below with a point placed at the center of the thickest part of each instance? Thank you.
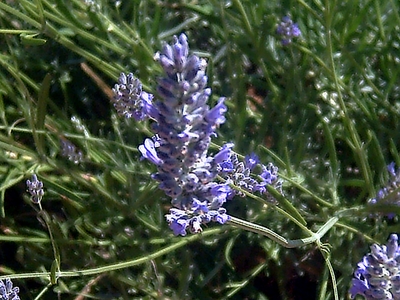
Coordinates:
(315, 237)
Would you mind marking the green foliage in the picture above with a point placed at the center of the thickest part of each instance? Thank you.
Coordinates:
(325, 109)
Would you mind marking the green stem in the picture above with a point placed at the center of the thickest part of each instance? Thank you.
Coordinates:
(306, 191)
(122, 265)
(314, 237)
(17, 31)
(300, 221)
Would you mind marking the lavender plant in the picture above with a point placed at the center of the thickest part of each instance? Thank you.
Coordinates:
(198, 182)
(184, 125)
(377, 275)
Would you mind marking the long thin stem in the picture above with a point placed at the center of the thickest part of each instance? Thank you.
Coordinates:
(118, 266)
(315, 237)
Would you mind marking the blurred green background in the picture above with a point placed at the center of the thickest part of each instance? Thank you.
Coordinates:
(324, 109)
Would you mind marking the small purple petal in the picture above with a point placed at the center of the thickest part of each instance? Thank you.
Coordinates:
(148, 151)
(221, 217)
(251, 161)
(288, 30)
(224, 153)
(216, 114)
(391, 168)
(179, 227)
(177, 220)
(358, 287)
(199, 206)
(226, 166)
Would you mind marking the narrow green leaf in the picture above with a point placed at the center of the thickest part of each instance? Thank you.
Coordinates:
(12, 178)
(2, 212)
(9, 145)
(41, 13)
(31, 40)
(376, 150)
(205, 10)
(41, 111)
(65, 192)
(97, 22)
(54, 269)
(286, 205)
(228, 250)
(330, 144)
(67, 13)
(2, 111)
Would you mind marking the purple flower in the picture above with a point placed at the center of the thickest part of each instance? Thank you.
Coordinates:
(7, 291)
(177, 220)
(224, 154)
(251, 161)
(243, 175)
(184, 124)
(226, 166)
(377, 274)
(182, 220)
(70, 151)
(220, 216)
(390, 194)
(148, 151)
(129, 99)
(199, 207)
(216, 114)
(288, 30)
(269, 173)
(35, 188)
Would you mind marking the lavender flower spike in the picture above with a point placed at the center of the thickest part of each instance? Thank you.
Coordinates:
(288, 30)
(390, 194)
(184, 125)
(70, 151)
(7, 291)
(129, 98)
(35, 188)
(377, 275)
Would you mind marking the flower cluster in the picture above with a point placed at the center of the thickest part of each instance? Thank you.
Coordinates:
(70, 151)
(390, 194)
(129, 98)
(35, 188)
(242, 175)
(378, 274)
(183, 126)
(7, 291)
(288, 30)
